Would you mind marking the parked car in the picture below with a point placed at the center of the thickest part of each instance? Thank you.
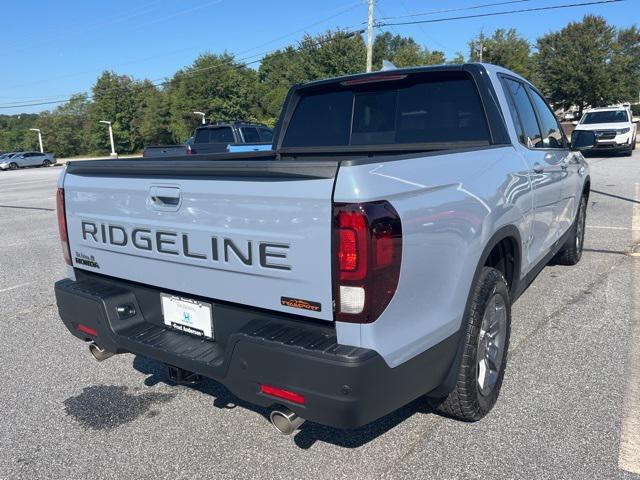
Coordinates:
(218, 137)
(27, 159)
(369, 260)
(614, 128)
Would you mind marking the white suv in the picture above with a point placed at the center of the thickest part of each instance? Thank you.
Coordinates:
(614, 128)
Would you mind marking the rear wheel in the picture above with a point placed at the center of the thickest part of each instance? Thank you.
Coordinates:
(484, 358)
(13, 166)
(571, 252)
(46, 163)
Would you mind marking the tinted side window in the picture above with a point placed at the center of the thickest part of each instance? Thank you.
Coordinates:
(551, 135)
(531, 137)
(516, 118)
(250, 134)
(266, 135)
(221, 135)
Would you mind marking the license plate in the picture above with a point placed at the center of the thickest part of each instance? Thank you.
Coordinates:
(187, 315)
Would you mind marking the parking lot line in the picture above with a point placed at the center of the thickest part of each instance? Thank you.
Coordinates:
(629, 456)
(15, 286)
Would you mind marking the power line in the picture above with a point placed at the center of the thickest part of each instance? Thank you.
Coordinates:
(343, 35)
(464, 17)
(173, 52)
(449, 10)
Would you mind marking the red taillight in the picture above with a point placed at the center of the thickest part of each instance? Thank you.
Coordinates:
(88, 330)
(281, 393)
(352, 245)
(367, 252)
(62, 226)
(189, 151)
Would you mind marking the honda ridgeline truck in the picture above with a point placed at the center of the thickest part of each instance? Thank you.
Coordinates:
(370, 258)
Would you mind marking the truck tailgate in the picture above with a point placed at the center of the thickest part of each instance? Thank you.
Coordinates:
(256, 233)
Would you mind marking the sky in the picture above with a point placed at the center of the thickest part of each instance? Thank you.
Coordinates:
(56, 48)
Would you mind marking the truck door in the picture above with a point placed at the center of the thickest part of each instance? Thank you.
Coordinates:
(545, 170)
(555, 143)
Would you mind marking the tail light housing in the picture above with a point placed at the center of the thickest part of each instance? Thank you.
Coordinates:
(189, 150)
(367, 243)
(62, 226)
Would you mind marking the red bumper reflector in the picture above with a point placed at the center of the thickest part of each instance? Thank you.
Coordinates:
(284, 394)
(87, 330)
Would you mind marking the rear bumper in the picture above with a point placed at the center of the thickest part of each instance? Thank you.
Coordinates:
(343, 386)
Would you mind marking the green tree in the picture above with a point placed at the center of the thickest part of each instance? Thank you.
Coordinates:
(217, 85)
(117, 99)
(403, 52)
(575, 63)
(625, 64)
(155, 122)
(15, 134)
(327, 55)
(65, 129)
(505, 48)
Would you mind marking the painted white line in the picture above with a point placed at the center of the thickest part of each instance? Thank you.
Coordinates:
(629, 456)
(15, 286)
(604, 227)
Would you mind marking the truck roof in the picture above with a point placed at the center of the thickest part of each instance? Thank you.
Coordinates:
(402, 71)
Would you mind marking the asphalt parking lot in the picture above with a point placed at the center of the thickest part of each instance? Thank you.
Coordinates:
(569, 408)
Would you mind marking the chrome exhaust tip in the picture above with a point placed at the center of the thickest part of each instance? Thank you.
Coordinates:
(285, 421)
(99, 353)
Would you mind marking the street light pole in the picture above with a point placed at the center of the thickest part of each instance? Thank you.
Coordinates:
(202, 115)
(39, 137)
(370, 38)
(113, 148)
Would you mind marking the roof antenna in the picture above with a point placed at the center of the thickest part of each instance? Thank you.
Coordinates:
(387, 65)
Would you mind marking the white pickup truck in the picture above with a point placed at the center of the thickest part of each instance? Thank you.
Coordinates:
(370, 258)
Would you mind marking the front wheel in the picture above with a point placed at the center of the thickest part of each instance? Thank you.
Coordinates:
(571, 252)
(13, 166)
(484, 358)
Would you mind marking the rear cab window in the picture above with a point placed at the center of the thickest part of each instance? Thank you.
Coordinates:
(412, 109)
(214, 135)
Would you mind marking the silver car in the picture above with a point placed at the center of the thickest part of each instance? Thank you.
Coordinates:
(15, 160)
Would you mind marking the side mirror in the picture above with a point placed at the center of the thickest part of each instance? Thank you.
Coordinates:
(575, 122)
(582, 140)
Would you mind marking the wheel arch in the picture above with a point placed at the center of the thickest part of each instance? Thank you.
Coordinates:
(507, 233)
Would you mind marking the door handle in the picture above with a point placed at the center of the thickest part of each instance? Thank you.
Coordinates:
(537, 168)
(165, 198)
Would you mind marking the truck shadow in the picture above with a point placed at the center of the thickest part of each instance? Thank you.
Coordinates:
(310, 432)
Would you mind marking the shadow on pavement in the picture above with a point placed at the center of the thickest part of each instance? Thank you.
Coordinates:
(310, 432)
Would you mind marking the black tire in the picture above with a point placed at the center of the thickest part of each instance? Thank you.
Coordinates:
(46, 163)
(633, 144)
(467, 402)
(571, 252)
(13, 166)
(629, 152)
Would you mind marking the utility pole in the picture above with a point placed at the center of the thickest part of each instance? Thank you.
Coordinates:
(370, 38)
(39, 137)
(113, 149)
